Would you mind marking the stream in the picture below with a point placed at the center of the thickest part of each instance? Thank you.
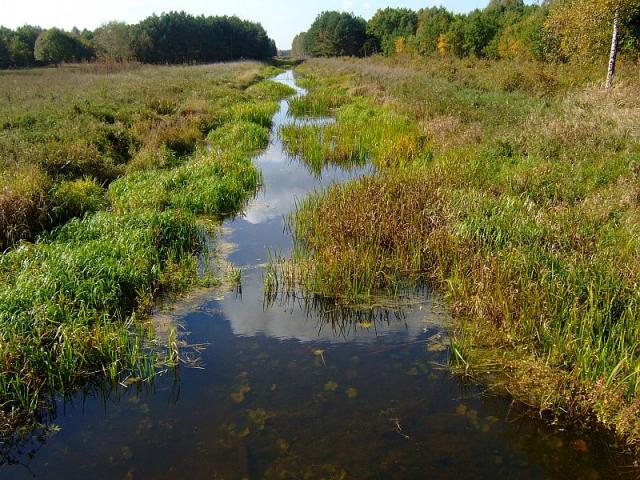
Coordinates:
(291, 389)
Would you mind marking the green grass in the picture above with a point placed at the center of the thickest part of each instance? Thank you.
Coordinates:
(519, 201)
(319, 102)
(73, 303)
(212, 183)
(77, 122)
(66, 302)
(245, 135)
(363, 132)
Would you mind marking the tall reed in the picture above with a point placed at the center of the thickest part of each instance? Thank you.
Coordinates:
(519, 204)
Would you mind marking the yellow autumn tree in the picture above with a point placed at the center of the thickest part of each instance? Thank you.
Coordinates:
(443, 47)
(587, 30)
(581, 29)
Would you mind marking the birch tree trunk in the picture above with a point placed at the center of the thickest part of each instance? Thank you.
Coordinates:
(614, 49)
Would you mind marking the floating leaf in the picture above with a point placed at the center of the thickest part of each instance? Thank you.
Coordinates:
(320, 353)
(127, 454)
(580, 446)
(436, 347)
(238, 397)
(331, 386)
(131, 381)
(352, 393)
(489, 422)
(259, 417)
(282, 444)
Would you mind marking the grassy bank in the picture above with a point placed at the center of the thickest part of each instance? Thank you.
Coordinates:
(113, 228)
(513, 189)
(78, 122)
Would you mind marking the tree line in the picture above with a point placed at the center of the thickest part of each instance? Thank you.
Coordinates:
(174, 37)
(556, 30)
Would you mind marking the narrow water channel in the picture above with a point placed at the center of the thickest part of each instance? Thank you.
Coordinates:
(288, 390)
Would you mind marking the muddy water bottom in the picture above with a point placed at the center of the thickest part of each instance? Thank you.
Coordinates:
(292, 389)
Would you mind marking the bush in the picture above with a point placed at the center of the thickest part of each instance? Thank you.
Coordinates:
(76, 198)
(244, 136)
(23, 204)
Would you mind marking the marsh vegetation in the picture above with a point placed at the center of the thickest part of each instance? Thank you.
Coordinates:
(474, 161)
(517, 200)
(104, 177)
(284, 386)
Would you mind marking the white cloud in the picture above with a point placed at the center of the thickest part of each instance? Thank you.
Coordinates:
(347, 4)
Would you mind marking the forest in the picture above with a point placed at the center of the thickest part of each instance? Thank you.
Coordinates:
(504, 29)
(173, 38)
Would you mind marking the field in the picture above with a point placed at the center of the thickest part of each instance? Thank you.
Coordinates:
(511, 188)
(106, 172)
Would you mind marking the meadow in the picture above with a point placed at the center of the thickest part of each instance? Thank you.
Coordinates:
(513, 188)
(106, 172)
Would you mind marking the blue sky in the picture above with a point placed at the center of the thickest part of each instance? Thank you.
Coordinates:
(281, 18)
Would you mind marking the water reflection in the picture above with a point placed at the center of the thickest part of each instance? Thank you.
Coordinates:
(286, 179)
(323, 319)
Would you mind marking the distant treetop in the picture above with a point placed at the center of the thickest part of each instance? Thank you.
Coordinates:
(174, 37)
(553, 30)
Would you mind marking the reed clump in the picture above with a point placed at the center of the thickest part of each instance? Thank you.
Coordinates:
(363, 132)
(377, 246)
(319, 102)
(527, 220)
(23, 203)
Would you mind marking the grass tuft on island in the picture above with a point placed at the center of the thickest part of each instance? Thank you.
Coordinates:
(513, 188)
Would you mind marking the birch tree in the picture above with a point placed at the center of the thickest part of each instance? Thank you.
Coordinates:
(584, 30)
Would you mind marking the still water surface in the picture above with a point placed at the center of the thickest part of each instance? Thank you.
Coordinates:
(295, 391)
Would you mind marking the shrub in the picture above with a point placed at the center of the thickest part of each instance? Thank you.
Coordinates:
(244, 136)
(23, 204)
(75, 198)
